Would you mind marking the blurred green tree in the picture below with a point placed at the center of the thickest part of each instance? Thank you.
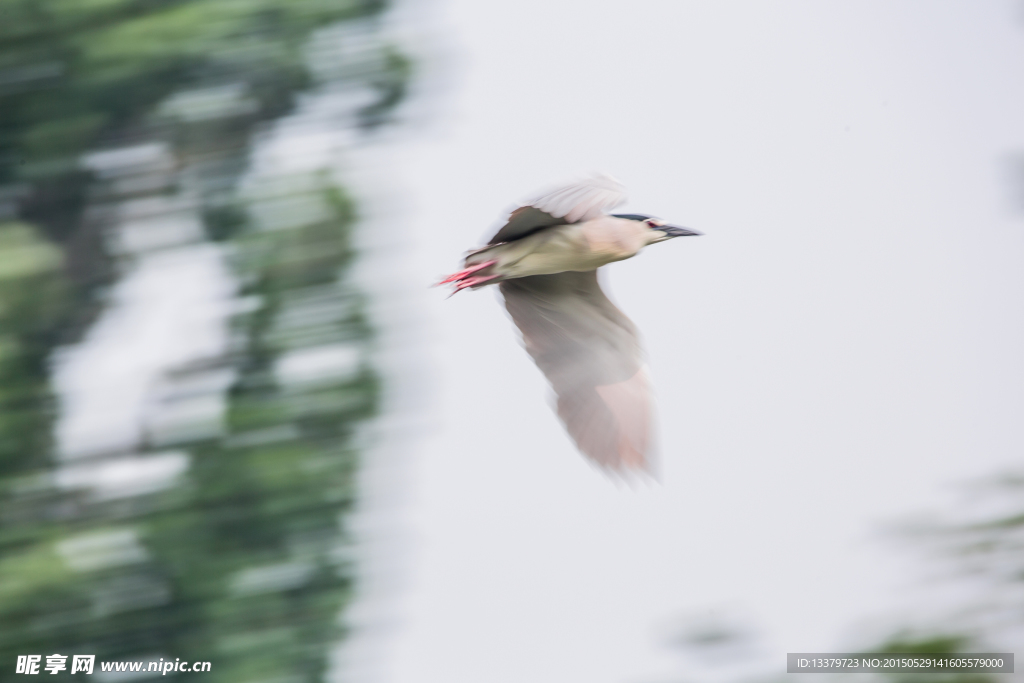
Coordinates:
(241, 561)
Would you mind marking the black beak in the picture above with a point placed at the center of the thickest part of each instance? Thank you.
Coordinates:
(677, 231)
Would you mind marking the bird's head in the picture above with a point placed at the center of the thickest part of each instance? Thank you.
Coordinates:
(660, 230)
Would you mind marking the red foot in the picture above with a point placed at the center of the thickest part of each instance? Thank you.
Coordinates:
(463, 274)
(463, 279)
(472, 282)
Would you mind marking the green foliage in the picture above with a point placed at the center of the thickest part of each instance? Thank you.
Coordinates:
(240, 561)
(33, 305)
(76, 75)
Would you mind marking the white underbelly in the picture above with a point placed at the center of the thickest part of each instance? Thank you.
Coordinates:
(556, 250)
(545, 264)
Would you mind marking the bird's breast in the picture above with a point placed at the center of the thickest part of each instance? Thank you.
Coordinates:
(614, 238)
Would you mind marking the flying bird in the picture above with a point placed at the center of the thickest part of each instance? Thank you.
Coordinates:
(545, 259)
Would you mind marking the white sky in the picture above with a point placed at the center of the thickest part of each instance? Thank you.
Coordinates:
(841, 346)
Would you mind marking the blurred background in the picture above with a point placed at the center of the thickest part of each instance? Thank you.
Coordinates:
(185, 363)
(236, 425)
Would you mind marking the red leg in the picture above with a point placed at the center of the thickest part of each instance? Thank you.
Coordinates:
(470, 282)
(473, 282)
(463, 274)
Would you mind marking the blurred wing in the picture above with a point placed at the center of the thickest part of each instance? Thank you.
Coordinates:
(579, 201)
(589, 351)
(524, 221)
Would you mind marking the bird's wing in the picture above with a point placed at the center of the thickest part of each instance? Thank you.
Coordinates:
(590, 353)
(579, 201)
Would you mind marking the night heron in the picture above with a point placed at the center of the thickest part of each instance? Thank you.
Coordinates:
(545, 260)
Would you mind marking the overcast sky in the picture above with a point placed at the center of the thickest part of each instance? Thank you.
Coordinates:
(840, 348)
